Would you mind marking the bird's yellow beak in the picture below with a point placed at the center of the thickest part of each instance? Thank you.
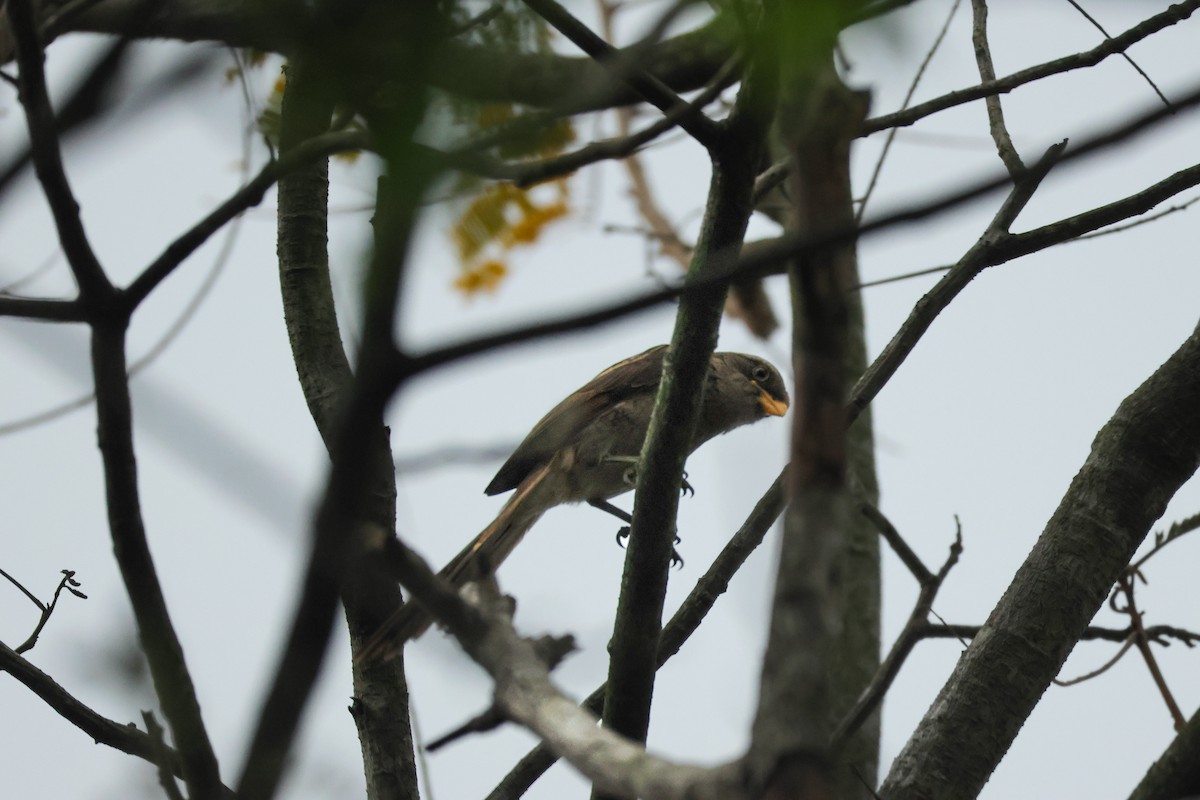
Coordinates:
(776, 408)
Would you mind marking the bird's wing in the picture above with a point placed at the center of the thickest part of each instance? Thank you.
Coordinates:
(566, 420)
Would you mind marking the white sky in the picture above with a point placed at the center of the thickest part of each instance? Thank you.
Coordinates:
(989, 419)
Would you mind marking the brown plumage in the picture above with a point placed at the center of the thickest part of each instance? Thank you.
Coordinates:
(582, 451)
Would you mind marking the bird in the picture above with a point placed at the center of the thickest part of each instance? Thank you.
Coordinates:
(586, 450)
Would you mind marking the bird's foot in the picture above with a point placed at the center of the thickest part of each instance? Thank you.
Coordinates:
(676, 559)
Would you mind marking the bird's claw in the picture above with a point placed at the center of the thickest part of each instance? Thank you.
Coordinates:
(685, 488)
(676, 559)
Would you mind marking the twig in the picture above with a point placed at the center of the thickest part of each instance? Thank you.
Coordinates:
(896, 542)
(47, 158)
(524, 693)
(246, 197)
(912, 89)
(624, 146)
(162, 757)
(657, 93)
(69, 583)
(987, 72)
(1159, 634)
(767, 257)
(1125, 587)
(123, 737)
(451, 455)
(1103, 668)
(478, 21)
(1088, 58)
(940, 296)
(1125, 56)
(1161, 540)
(873, 694)
(683, 624)
(1143, 221)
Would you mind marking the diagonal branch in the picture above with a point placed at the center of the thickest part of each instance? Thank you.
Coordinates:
(244, 198)
(47, 157)
(675, 633)
(941, 295)
(126, 738)
(1139, 459)
(1174, 14)
(655, 92)
(987, 72)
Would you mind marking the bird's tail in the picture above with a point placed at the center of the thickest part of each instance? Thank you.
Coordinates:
(474, 562)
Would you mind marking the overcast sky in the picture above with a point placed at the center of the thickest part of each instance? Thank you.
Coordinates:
(989, 420)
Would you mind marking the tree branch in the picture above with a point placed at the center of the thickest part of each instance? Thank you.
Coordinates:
(126, 738)
(47, 158)
(987, 72)
(1174, 14)
(675, 633)
(172, 682)
(248, 196)
(524, 694)
(627, 70)
(1138, 460)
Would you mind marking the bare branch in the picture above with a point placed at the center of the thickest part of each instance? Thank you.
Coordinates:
(873, 695)
(940, 296)
(124, 737)
(47, 158)
(1083, 12)
(246, 197)
(657, 93)
(891, 137)
(983, 60)
(1139, 459)
(675, 633)
(1176, 13)
(524, 694)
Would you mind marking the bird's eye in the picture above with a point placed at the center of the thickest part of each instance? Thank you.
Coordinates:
(760, 373)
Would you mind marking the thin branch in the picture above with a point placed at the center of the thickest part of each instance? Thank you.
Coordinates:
(67, 582)
(1088, 58)
(657, 93)
(16, 284)
(1125, 56)
(1143, 221)
(531, 172)
(987, 72)
(892, 536)
(940, 296)
(768, 255)
(1159, 634)
(42, 310)
(32, 597)
(873, 695)
(168, 668)
(1076, 229)
(912, 89)
(524, 694)
(123, 737)
(1103, 668)
(162, 757)
(683, 624)
(1125, 587)
(452, 455)
(1161, 540)
(246, 197)
(47, 157)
